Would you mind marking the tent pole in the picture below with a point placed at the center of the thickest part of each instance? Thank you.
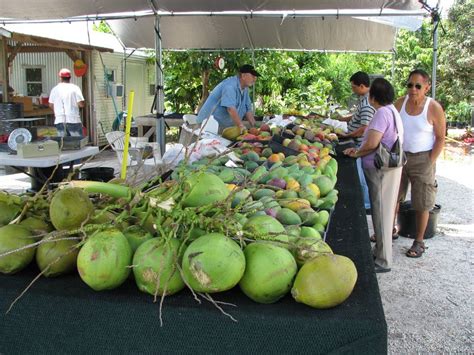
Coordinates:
(253, 86)
(394, 55)
(159, 102)
(435, 55)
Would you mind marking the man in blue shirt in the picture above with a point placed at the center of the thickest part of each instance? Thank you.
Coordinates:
(229, 102)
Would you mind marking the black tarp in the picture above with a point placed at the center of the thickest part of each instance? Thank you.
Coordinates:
(64, 315)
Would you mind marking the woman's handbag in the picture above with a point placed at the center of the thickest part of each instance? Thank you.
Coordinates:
(390, 158)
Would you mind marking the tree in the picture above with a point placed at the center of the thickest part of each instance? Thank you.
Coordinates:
(456, 84)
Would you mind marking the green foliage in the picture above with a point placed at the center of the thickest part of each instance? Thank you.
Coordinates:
(309, 81)
(414, 51)
(460, 112)
(456, 62)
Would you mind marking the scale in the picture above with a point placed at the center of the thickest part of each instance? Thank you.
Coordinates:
(18, 136)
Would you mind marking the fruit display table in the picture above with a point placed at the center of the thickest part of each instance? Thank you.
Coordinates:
(65, 315)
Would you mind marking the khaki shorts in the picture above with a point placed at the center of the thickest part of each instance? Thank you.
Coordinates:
(421, 174)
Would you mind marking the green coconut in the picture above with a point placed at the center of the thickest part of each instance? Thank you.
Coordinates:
(269, 272)
(36, 225)
(69, 208)
(213, 263)
(203, 189)
(9, 212)
(325, 281)
(309, 248)
(136, 236)
(104, 260)
(13, 237)
(156, 267)
(57, 257)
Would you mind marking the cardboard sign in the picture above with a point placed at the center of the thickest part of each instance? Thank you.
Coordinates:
(80, 68)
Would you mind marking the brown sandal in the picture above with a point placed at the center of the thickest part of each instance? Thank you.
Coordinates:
(394, 235)
(417, 249)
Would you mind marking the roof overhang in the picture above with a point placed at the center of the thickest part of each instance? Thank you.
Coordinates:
(32, 43)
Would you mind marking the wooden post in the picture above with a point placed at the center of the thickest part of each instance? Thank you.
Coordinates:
(4, 68)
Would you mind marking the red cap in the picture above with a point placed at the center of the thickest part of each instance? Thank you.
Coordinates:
(64, 73)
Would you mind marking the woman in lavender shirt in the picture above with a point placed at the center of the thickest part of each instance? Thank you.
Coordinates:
(386, 126)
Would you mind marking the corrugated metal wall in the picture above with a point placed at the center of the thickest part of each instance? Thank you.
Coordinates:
(104, 112)
(51, 64)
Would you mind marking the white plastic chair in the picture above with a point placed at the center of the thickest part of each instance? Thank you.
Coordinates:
(190, 119)
(210, 125)
(116, 140)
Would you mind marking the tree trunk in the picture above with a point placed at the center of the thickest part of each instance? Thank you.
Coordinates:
(205, 88)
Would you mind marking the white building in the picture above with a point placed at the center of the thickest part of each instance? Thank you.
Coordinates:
(33, 55)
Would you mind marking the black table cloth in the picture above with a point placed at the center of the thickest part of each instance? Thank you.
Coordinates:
(63, 315)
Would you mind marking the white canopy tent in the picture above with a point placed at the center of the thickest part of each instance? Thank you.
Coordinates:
(339, 25)
(66, 9)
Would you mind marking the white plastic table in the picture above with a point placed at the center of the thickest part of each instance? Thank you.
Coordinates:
(46, 162)
(40, 169)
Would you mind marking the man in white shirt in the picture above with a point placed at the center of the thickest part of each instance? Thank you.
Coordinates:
(65, 99)
(425, 131)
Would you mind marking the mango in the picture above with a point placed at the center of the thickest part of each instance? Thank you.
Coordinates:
(263, 192)
(308, 232)
(295, 204)
(262, 226)
(231, 133)
(288, 217)
(325, 184)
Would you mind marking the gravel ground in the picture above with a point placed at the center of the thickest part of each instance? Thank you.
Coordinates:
(428, 301)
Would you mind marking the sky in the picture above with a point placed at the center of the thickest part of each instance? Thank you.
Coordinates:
(444, 5)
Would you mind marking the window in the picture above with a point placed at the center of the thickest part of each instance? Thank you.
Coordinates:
(34, 81)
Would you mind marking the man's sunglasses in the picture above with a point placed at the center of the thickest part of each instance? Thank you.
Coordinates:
(417, 86)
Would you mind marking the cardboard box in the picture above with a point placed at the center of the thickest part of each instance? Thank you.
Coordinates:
(38, 149)
(25, 100)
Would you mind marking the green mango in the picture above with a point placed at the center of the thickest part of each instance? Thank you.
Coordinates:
(227, 175)
(258, 173)
(305, 180)
(241, 196)
(288, 217)
(309, 232)
(262, 193)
